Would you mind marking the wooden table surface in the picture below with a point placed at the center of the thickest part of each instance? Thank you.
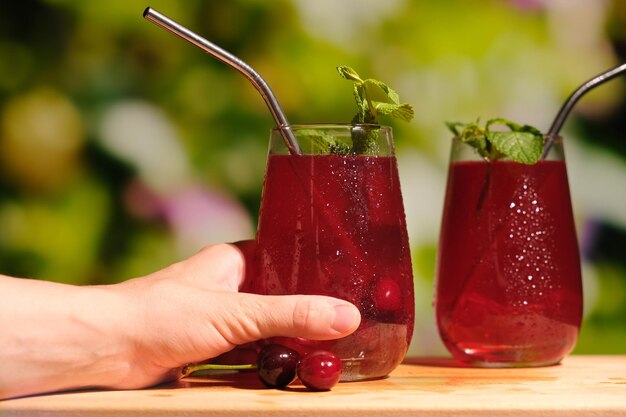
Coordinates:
(580, 386)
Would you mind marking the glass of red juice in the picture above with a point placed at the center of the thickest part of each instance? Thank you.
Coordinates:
(509, 290)
(332, 223)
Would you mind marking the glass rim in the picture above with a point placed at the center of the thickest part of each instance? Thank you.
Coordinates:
(464, 151)
(297, 126)
(555, 138)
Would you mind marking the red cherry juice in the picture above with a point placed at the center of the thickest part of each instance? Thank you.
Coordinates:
(509, 283)
(335, 225)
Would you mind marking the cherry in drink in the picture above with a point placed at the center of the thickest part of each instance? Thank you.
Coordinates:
(332, 223)
(509, 289)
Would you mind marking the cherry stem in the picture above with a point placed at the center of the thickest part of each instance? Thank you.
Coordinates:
(192, 368)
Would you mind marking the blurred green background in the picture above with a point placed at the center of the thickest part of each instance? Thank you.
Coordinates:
(124, 149)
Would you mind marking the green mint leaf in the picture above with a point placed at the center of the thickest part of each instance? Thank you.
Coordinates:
(339, 148)
(523, 147)
(455, 127)
(499, 121)
(364, 139)
(474, 135)
(369, 93)
(372, 98)
(522, 143)
(348, 73)
(324, 143)
(531, 129)
(401, 111)
(361, 104)
(379, 91)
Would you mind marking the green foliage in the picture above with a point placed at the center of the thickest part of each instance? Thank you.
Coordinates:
(523, 143)
(372, 98)
(375, 98)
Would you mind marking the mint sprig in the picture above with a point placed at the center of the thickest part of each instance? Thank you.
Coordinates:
(375, 98)
(521, 143)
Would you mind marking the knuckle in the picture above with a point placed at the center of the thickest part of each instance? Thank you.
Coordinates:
(306, 314)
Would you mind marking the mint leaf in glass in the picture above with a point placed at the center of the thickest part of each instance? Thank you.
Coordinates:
(373, 98)
(521, 143)
(322, 142)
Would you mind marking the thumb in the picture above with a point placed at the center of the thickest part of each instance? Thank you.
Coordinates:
(309, 316)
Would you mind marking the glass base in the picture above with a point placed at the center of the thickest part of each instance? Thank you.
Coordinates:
(353, 371)
(507, 356)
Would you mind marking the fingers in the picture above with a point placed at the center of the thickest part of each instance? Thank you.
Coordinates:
(307, 316)
(247, 249)
(220, 267)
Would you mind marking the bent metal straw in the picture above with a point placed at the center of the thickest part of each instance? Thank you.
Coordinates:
(231, 60)
(571, 101)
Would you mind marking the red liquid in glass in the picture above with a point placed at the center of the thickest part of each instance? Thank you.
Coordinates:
(509, 287)
(335, 225)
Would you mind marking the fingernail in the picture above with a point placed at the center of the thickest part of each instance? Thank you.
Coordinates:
(347, 317)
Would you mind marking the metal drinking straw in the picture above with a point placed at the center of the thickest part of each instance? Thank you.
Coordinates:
(561, 116)
(229, 59)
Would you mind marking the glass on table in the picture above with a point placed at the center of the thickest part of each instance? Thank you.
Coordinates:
(332, 223)
(509, 290)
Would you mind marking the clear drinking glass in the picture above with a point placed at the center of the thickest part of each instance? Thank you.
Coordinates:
(509, 289)
(332, 223)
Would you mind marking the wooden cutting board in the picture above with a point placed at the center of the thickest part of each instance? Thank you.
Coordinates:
(580, 386)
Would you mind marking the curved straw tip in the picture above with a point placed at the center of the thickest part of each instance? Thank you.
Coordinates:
(147, 11)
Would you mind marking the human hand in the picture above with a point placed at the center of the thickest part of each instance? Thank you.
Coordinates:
(192, 311)
(142, 331)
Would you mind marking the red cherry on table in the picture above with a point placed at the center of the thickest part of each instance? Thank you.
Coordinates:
(319, 371)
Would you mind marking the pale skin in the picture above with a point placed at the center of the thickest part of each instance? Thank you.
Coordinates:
(142, 331)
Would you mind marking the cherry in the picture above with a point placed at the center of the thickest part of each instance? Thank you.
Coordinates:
(276, 365)
(387, 295)
(319, 371)
(383, 301)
